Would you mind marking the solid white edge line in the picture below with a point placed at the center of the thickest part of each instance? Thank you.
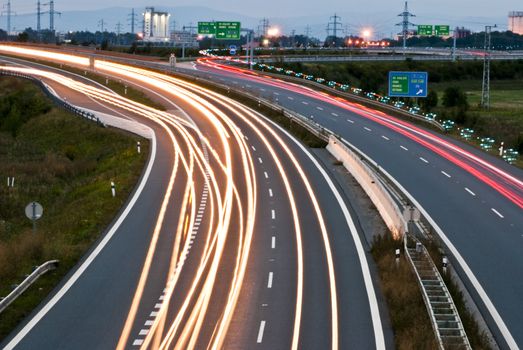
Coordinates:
(454, 251)
(72, 280)
(369, 286)
(260, 332)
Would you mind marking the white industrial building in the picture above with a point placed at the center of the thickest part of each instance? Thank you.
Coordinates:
(155, 25)
(515, 22)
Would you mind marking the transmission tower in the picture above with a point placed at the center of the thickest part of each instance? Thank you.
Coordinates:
(485, 93)
(9, 13)
(38, 16)
(132, 20)
(334, 26)
(263, 28)
(101, 24)
(405, 25)
(51, 13)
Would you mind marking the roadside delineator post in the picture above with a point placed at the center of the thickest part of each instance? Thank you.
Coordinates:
(113, 189)
(445, 262)
(138, 147)
(397, 257)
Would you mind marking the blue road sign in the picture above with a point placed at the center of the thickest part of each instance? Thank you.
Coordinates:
(408, 84)
(232, 52)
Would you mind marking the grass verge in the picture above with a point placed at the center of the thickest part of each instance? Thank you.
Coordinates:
(408, 314)
(66, 164)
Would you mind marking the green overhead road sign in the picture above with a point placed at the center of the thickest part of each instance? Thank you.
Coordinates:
(207, 28)
(442, 30)
(228, 30)
(425, 29)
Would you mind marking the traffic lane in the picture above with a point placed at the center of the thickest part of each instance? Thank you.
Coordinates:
(356, 324)
(266, 299)
(91, 314)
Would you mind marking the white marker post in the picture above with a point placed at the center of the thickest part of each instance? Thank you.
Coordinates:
(138, 147)
(113, 189)
(125, 90)
(501, 149)
(397, 257)
(10, 181)
(445, 262)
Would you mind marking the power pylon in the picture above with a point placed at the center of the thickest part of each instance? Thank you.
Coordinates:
(52, 12)
(132, 19)
(485, 93)
(334, 25)
(405, 24)
(9, 13)
(38, 16)
(101, 24)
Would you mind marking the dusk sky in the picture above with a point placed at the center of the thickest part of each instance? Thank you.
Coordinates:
(294, 14)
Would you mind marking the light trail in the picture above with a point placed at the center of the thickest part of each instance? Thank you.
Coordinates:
(496, 178)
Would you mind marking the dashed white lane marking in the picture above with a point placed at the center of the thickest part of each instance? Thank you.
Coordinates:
(137, 342)
(269, 280)
(276, 93)
(273, 242)
(143, 332)
(273, 214)
(270, 192)
(469, 191)
(368, 129)
(260, 160)
(385, 137)
(253, 148)
(149, 323)
(334, 114)
(266, 175)
(154, 314)
(404, 148)
(305, 102)
(158, 305)
(350, 121)
(260, 332)
(424, 160)
(262, 89)
(447, 175)
(497, 213)
(319, 108)
(248, 85)
(290, 98)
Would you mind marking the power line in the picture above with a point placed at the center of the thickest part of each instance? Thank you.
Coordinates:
(405, 24)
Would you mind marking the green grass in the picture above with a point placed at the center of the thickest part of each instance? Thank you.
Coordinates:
(65, 163)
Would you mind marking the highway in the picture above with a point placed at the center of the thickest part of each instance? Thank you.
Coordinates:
(235, 238)
(475, 199)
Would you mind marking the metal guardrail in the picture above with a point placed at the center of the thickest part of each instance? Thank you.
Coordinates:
(444, 316)
(22, 287)
(56, 100)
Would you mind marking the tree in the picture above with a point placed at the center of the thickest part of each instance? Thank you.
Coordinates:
(430, 101)
(455, 97)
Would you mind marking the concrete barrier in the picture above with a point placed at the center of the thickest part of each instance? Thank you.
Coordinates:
(371, 184)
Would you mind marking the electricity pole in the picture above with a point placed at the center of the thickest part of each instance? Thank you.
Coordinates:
(335, 25)
(101, 24)
(38, 16)
(405, 25)
(51, 13)
(8, 12)
(485, 93)
(132, 19)
(307, 35)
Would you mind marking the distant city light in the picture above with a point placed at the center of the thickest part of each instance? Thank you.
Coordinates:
(366, 33)
(273, 31)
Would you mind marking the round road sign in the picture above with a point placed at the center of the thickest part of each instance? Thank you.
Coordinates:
(34, 211)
